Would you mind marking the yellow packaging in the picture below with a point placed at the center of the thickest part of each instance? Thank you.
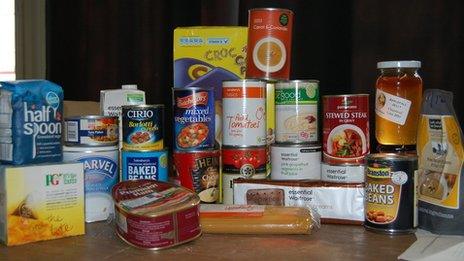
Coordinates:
(41, 202)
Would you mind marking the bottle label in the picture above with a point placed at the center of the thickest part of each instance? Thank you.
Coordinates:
(391, 107)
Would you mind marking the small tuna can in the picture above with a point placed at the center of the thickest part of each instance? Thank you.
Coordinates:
(297, 111)
(295, 161)
(144, 164)
(391, 202)
(142, 127)
(168, 214)
(244, 113)
(199, 171)
(91, 130)
(194, 118)
(101, 173)
(342, 173)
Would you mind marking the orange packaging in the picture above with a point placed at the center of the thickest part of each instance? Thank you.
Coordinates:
(269, 43)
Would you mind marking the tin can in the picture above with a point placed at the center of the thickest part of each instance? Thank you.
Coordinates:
(269, 43)
(199, 171)
(297, 111)
(244, 113)
(194, 118)
(142, 127)
(344, 173)
(295, 161)
(155, 215)
(391, 202)
(345, 128)
(145, 164)
(91, 130)
(101, 173)
(270, 111)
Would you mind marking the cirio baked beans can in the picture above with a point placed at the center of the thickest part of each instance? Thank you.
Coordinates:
(91, 130)
(199, 171)
(345, 128)
(144, 164)
(155, 215)
(244, 113)
(142, 127)
(269, 43)
(391, 202)
(297, 111)
(295, 161)
(194, 118)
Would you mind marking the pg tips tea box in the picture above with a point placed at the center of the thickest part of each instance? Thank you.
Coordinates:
(41, 202)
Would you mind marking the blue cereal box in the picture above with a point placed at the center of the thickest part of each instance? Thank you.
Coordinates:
(144, 165)
(30, 122)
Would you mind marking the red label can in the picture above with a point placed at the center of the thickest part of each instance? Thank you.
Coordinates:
(248, 162)
(269, 43)
(345, 128)
(199, 171)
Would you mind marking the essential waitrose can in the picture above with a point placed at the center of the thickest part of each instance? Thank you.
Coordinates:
(199, 171)
(244, 113)
(101, 173)
(194, 118)
(295, 161)
(148, 164)
(342, 173)
(391, 201)
(297, 111)
(142, 127)
(269, 43)
(91, 130)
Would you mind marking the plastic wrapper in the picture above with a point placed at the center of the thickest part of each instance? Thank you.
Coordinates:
(254, 219)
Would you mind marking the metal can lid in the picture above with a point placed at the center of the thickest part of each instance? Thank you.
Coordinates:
(398, 64)
(345, 95)
(392, 156)
(297, 145)
(234, 83)
(89, 148)
(271, 9)
(90, 117)
(143, 106)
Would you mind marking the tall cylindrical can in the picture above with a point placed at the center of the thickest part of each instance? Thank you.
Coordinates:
(142, 127)
(194, 118)
(269, 43)
(297, 111)
(244, 113)
(345, 128)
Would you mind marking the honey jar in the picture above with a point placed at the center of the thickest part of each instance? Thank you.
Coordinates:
(397, 103)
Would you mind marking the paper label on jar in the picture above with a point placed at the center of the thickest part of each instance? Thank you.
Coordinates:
(391, 107)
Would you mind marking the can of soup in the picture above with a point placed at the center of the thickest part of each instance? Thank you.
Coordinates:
(142, 127)
(269, 43)
(144, 164)
(297, 111)
(91, 130)
(199, 171)
(391, 202)
(295, 161)
(345, 128)
(244, 113)
(194, 118)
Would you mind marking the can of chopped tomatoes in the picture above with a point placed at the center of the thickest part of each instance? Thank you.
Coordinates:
(244, 113)
(345, 128)
(269, 43)
(194, 118)
(142, 127)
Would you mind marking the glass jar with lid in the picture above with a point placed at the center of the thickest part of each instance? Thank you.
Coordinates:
(397, 104)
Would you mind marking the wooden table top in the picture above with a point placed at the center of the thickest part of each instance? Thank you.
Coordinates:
(330, 242)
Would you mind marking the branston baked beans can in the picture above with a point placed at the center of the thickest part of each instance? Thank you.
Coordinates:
(297, 111)
(142, 127)
(244, 113)
(91, 130)
(391, 202)
(295, 161)
(345, 128)
(194, 118)
(199, 171)
(155, 215)
(269, 43)
(144, 164)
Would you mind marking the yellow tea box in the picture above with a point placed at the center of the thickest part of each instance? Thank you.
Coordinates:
(41, 202)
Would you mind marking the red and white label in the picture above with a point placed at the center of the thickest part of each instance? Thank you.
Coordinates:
(200, 98)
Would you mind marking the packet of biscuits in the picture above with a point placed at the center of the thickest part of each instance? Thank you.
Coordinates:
(441, 159)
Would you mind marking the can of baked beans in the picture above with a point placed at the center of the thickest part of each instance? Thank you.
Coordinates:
(194, 118)
(345, 137)
(198, 170)
(91, 130)
(297, 111)
(142, 127)
(244, 113)
(295, 161)
(144, 164)
(391, 202)
(269, 43)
